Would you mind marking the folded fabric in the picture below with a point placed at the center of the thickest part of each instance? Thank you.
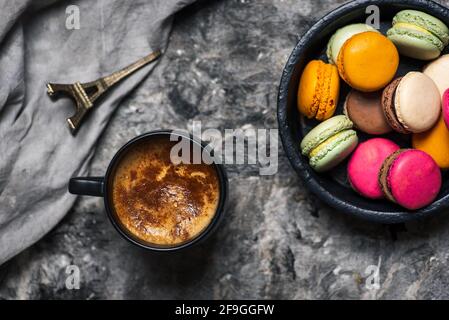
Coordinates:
(38, 44)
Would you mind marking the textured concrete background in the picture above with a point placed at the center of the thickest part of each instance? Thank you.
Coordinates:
(223, 67)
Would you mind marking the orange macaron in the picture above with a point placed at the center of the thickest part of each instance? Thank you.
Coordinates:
(435, 142)
(368, 61)
(318, 91)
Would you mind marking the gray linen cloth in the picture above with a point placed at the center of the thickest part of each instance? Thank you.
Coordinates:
(38, 155)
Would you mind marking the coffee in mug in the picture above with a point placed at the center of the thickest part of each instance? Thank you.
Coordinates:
(159, 202)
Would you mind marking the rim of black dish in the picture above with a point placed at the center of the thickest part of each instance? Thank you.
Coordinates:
(289, 142)
(223, 184)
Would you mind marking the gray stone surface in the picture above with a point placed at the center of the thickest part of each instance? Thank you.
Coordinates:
(222, 67)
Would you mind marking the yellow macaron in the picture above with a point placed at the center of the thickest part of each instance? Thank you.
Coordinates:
(368, 61)
(318, 91)
(435, 142)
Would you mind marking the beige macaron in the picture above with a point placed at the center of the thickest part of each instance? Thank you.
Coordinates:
(438, 71)
(417, 102)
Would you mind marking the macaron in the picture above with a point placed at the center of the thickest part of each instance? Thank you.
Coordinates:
(418, 35)
(365, 163)
(364, 109)
(411, 104)
(341, 35)
(368, 61)
(446, 107)
(434, 142)
(318, 91)
(410, 178)
(329, 143)
(388, 107)
(438, 71)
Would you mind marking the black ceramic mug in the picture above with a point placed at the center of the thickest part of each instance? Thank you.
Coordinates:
(102, 187)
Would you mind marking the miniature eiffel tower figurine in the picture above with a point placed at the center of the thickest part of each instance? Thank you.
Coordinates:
(85, 94)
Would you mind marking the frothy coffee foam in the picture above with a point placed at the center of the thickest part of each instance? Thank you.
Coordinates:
(162, 203)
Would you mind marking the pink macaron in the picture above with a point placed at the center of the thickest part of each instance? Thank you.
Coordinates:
(365, 164)
(410, 178)
(446, 107)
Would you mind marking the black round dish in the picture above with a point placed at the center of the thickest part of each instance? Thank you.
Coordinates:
(333, 187)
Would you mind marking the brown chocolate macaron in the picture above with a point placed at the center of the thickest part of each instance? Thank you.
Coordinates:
(366, 112)
(383, 174)
(388, 97)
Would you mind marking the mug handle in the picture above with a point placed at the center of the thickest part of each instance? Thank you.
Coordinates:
(87, 186)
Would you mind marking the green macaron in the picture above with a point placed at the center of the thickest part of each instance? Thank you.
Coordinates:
(329, 143)
(418, 35)
(341, 35)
